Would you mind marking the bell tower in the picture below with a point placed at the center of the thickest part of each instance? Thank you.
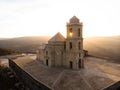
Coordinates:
(74, 44)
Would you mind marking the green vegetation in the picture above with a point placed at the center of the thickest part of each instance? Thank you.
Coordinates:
(5, 82)
(3, 70)
(4, 51)
(8, 80)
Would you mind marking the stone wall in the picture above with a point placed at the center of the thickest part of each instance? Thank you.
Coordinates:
(27, 79)
(115, 86)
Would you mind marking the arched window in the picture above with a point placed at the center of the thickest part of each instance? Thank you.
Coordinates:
(64, 46)
(46, 52)
(70, 32)
(79, 63)
(79, 45)
(70, 45)
(79, 55)
(71, 64)
(78, 32)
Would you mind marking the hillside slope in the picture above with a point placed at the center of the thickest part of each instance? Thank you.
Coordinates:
(105, 47)
(24, 44)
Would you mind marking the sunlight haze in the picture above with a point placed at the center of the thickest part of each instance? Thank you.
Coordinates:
(47, 17)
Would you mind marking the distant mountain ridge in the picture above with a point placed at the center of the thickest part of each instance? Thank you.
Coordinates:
(24, 44)
(3, 38)
(105, 47)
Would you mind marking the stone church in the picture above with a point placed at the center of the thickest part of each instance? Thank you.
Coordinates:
(64, 52)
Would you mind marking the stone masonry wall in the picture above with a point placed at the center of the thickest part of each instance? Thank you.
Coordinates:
(28, 80)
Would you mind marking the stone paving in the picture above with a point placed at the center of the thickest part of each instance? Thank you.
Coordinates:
(96, 75)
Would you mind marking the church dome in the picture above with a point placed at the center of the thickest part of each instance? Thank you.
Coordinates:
(57, 38)
(74, 19)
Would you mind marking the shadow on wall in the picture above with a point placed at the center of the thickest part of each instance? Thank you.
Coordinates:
(115, 86)
(26, 78)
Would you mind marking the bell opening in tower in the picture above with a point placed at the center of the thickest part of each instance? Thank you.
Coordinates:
(71, 32)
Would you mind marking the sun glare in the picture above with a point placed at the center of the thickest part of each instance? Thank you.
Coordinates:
(71, 34)
(32, 19)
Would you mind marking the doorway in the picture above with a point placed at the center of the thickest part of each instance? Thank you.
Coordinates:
(79, 63)
(47, 62)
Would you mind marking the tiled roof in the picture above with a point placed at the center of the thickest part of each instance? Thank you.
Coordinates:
(97, 74)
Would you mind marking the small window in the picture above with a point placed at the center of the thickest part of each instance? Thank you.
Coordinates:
(78, 32)
(71, 30)
(79, 45)
(71, 64)
(79, 63)
(70, 45)
(64, 46)
(79, 55)
(46, 52)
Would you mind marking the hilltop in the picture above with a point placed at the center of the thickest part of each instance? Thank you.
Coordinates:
(103, 47)
(24, 44)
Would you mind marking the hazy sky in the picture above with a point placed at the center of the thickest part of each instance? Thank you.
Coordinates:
(47, 17)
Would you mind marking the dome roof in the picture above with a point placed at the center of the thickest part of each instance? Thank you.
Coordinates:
(57, 38)
(74, 19)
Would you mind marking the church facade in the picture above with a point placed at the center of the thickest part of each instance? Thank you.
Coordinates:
(64, 52)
